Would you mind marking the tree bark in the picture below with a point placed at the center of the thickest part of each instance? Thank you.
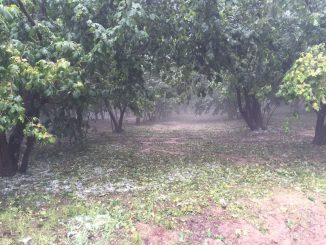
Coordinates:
(15, 140)
(257, 113)
(29, 18)
(7, 166)
(29, 147)
(250, 110)
(116, 123)
(79, 112)
(320, 129)
(122, 113)
(113, 120)
(17, 136)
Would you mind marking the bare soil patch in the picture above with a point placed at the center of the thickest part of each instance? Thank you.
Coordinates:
(283, 218)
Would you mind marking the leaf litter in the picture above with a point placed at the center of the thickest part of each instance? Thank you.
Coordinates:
(218, 186)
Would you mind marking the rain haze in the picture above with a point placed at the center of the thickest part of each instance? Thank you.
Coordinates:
(162, 122)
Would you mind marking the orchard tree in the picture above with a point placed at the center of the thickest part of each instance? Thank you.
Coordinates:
(255, 46)
(30, 78)
(307, 80)
(235, 38)
(254, 42)
(118, 58)
(25, 89)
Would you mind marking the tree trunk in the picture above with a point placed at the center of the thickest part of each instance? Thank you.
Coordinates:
(122, 113)
(7, 166)
(114, 122)
(29, 147)
(79, 113)
(320, 129)
(118, 124)
(15, 140)
(251, 110)
(10, 150)
(257, 113)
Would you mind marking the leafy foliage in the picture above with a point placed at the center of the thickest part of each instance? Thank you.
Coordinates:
(35, 129)
(111, 188)
(307, 78)
(45, 79)
(62, 59)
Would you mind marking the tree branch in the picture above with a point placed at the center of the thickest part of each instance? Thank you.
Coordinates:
(29, 18)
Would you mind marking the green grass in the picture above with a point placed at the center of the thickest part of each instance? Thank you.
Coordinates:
(100, 194)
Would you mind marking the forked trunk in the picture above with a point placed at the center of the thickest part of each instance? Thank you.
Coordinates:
(114, 122)
(250, 110)
(120, 123)
(117, 123)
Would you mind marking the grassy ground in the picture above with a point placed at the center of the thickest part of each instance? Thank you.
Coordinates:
(187, 181)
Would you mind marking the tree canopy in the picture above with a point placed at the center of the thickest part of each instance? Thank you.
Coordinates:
(307, 80)
(61, 60)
